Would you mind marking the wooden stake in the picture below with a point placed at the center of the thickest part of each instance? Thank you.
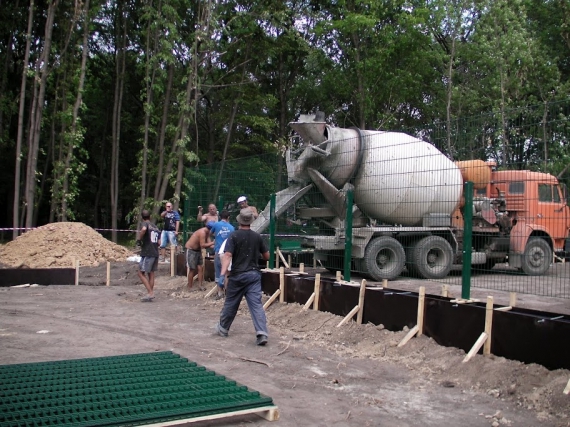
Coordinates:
(108, 273)
(282, 284)
(289, 260)
(314, 261)
(421, 307)
(488, 325)
(211, 291)
(507, 308)
(384, 283)
(357, 309)
(567, 389)
(475, 347)
(172, 261)
(348, 316)
(338, 276)
(409, 336)
(273, 298)
(302, 268)
(419, 328)
(309, 301)
(513, 299)
(361, 302)
(445, 291)
(317, 292)
(76, 271)
(282, 257)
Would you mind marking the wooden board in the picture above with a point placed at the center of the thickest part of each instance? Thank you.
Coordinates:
(270, 413)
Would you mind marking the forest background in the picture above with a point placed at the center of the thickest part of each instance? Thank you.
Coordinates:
(106, 104)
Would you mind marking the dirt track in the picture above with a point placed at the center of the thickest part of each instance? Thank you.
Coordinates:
(317, 374)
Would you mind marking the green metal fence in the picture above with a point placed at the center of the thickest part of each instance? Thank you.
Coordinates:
(477, 205)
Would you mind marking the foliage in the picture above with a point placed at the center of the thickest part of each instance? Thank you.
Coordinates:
(210, 82)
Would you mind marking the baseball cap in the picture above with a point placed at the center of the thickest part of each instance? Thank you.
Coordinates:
(210, 224)
(241, 199)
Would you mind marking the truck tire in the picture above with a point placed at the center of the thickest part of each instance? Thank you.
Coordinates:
(537, 257)
(384, 258)
(432, 257)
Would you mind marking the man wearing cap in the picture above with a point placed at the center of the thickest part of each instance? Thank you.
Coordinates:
(243, 249)
(199, 240)
(242, 202)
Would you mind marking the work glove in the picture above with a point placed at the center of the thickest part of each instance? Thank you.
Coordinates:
(221, 281)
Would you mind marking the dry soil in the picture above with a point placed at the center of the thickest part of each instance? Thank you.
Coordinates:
(316, 373)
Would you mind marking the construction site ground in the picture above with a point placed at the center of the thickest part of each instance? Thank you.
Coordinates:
(316, 373)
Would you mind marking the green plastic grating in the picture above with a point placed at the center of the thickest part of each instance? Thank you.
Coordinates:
(127, 390)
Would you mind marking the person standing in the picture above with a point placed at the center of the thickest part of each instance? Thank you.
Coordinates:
(243, 248)
(148, 240)
(220, 230)
(170, 232)
(243, 204)
(199, 240)
(211, 215)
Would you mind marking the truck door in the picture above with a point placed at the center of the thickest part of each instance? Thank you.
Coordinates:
(552, 213)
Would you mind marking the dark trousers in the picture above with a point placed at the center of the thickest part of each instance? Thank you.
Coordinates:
(246, 284)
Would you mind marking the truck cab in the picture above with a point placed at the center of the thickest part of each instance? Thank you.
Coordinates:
(539, 213)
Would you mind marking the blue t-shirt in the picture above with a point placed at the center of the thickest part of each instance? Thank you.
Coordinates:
(221, 230)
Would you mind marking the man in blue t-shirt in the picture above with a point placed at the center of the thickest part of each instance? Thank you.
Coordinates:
(220, 230)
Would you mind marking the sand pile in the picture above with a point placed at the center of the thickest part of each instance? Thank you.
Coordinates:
(58, 245)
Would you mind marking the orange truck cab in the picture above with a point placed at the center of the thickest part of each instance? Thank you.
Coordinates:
(537, 214)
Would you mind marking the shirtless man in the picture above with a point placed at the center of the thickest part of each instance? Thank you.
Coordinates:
(211, 215)
(199, 240)
(242, 202)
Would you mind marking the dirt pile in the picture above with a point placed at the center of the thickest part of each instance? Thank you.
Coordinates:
(58, 245)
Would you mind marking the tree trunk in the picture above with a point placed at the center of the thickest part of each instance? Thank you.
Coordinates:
(37, 111)
(76, 106)
(162, 136)
(17, 171)
(116, 128)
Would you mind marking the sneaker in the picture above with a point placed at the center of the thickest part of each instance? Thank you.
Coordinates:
(261, 340)
(219, 330)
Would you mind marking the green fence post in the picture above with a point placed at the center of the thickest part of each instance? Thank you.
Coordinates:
(467, 240)
(220, 206)
(272, 231)
(348, 235)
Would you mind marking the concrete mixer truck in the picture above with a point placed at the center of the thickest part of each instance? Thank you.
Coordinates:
(408, 205)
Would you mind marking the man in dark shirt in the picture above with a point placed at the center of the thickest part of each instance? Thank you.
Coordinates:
(243, 249)
(170, 231)
(148, 239)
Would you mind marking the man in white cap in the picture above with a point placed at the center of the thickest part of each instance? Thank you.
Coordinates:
(243, 249)
(242, 202)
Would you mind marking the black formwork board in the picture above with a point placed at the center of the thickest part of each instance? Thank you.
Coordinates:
(453, 324)
(532, 337)
(529, 336)
(40, 276)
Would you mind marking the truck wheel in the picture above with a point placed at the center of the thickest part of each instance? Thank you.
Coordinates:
(384, 258)
(537, 257)
(432, 257)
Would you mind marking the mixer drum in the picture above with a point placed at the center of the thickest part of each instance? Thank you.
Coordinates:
(402, 178)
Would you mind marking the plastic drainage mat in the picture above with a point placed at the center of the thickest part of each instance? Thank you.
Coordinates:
(117, 391)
